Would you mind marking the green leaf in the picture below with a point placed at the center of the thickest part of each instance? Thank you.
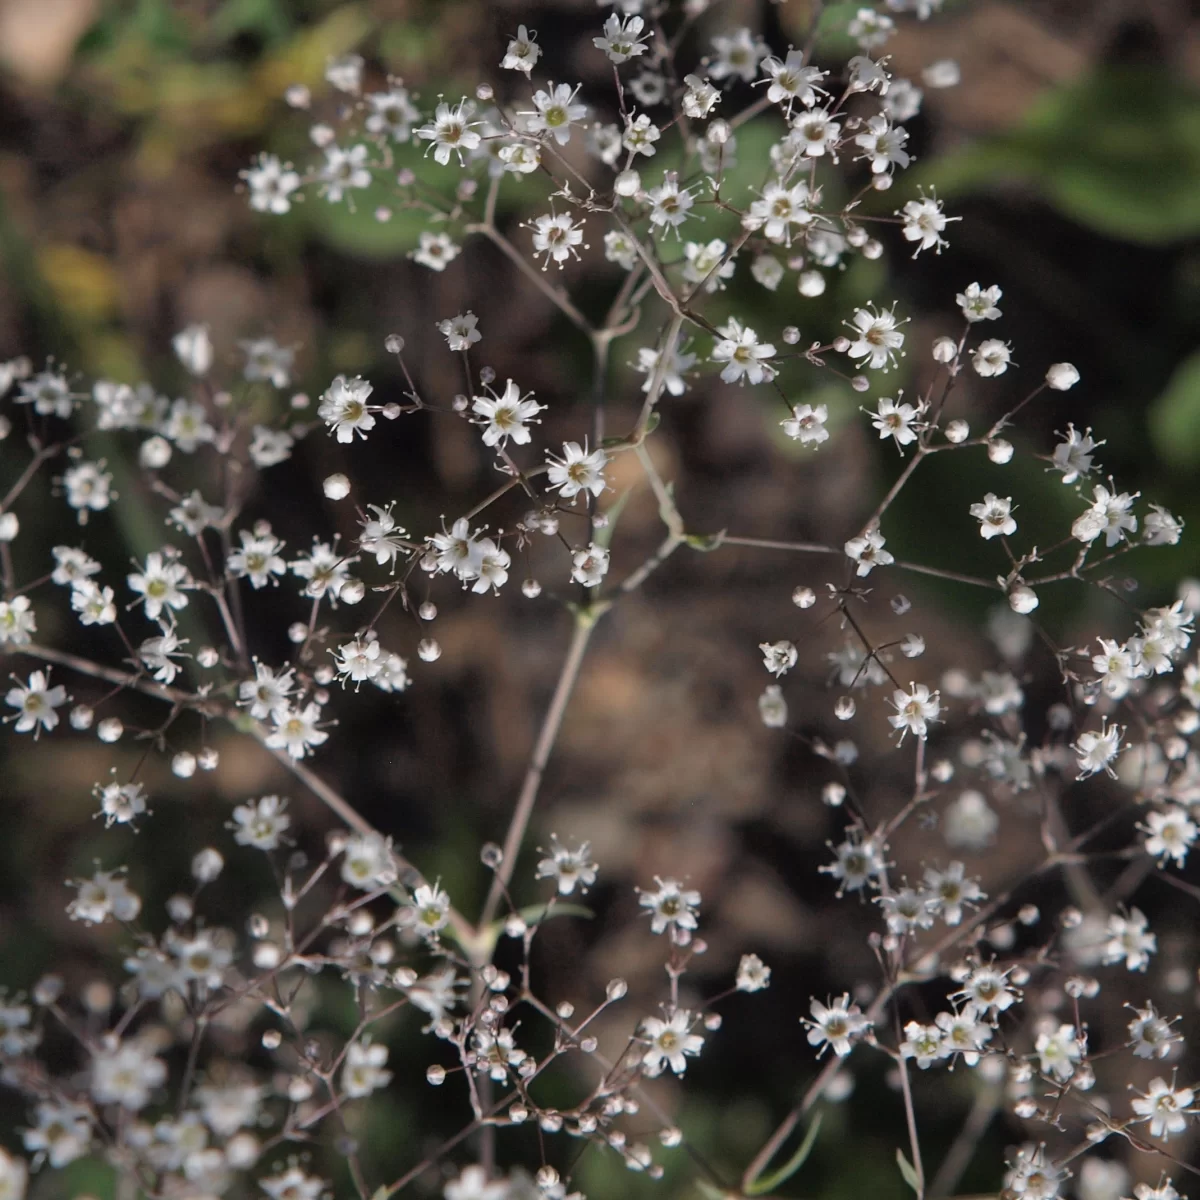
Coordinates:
(768, 1183)
(706, 542)
(1084, 147)
(1175, 415)
(907, 1170)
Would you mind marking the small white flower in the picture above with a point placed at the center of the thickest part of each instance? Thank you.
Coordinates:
(577, 470)
(589, 566)
(506, 415)
(669, 1042)
(193, 347)
(435, 250)
(363, 1070)
(35, 702)
(867, 552)
(1097, 749)
(622, 38)
(836, 1025)
(924, 222)
(160, 583)
(672, 908)
(994, 515)
(979, 304)
(1169, 834)
(1130, 941)
(554, 112)
(1165, 1108)
(876, 338)
(271, 184)
(392, 113)
(991, 357)
(451, 131)
(296, 731)
(1059, 1051)
(737, 55)
(778, 657)
(882, 145)
(344, 408)
(261, 823)
(343, 170)
(1073, 456)
(257, 558)
(898, 420)
(568, 867)
(914, 709)
(753, 975)
(807, 424)
(791, 81)
(556, 236)
(745, 357)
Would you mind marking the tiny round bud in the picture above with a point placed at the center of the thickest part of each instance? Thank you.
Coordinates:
(900, 604)
(872, 249)
(242, 1151)
(383, 214)
(804, 597)
(712, 1021)
(565, 1010)
(429, 650)
(353, 590)
(81, 717)
(297, 96)
(180, 909)
(942, 770)
(405, 177)
(272, 1039)
(257, 926)
(833, 794)
(184, 764)
(588, 1045)
(297, 632)
(616, 990)
(518, 1114)
(860, 383)
(841, 344)
(600, 521)
(1000, 451)
(844, 709)
(531, 588)
(945, 349)
(427, 611)
(391, 410)
(207, 657)
(944, 73)
(1062, 376)
(97, 996)
(515, 926)
(154, 453)
(9, 526)
(811, 284)
(1022, 599)
(110, 729)
(435, 1076)
(393, 343)
(628, 183)
(487, 374)
(484, 92)
(958, 432)
(323, 675)
(208, 758)
(857, 237)
(1025, 1108)
(1028, 914)
(1071, 918)
(47, 989)
(336, 487)
(882, 182)
(491, 855)
(460, 403)
(791, 335)
(207, 865)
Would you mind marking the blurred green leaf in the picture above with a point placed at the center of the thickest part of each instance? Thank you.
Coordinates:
(267, 18)
(765, 1184)
(1086, 148)
(1175, 415)
(907, 1170)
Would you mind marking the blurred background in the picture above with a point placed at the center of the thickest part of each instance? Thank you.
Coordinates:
(1071, 148)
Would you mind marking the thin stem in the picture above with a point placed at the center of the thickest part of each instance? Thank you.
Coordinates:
(585, 623)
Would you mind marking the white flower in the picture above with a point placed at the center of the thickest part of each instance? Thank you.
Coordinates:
(619, 248)
(267, 693)
(772, 707)
(357, 660)
(778, 657)
(344, 72)
(779, 208)
(49, 393)
(35, 702)
(1130, 940)
(363, 1071)
(158, 655)
(906, 909)
(555, 112)
(970, 824)
(589, 566)
(271, 184)
(270, 446)
(855, 863)
(807, 424)
(293, 1184)
(677, 364)
(924, 222)
(640, 134)
(882, 145)
(344, 169)
(699, 98)
(737, 55)
(1059, 1051)
(261, 823)
(159, 583)
(88, 487)
(187, 426)
(745, 357)
(257, 558)
(988, 989)
(792, 81)
(460, 332)
(669, 1042)
(923, 1043)
(325, 571)
(381, 536)
(1169, 834)
(1097, 749)
(457, 551)
(1160, 528)
(897, 420)
(435, 250)
(193, 347)
(991, 357)
(296, 730)
(127, 1075)
(914, 709)
(344, 408)
(994, 515)
(672, 909)
(876, 338)
(569, 868)
(17, 622)
(866, 75)
(835, 1025)
(814, 133)
(964, 1033)
(392, 113)
(496, 1053)
(105, 895)
(867, 551)
(556, 236)
(522, 53)
(950, 891)
(451, 131)
(871, 29)
(72, 565)
(577, 470)
(368, 862)
(622, 38)
(493, 567)
(63, 1133)
(1150, 1035)
(669, 203)
(979, 304)
(753, 975)
(1073, 456)
(1108, 515)
(1165, 1108)
(506, 415)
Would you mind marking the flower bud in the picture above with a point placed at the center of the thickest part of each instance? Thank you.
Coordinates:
(1000, 451)
(958, 432)
(336, 487)
(1062, 376)
(1022, 599)
(628, 183)
(944, 349)
(811, 284)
